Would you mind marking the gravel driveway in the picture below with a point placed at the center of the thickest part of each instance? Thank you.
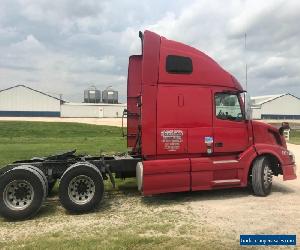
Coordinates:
(238, 212)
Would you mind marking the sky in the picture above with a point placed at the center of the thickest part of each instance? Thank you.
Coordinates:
(65, 46)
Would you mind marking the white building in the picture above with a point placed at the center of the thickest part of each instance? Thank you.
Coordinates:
(276, 107)
(98, 110)
(24, 101)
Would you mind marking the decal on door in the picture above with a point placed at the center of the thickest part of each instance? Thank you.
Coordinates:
(172, 139)
(208, 139)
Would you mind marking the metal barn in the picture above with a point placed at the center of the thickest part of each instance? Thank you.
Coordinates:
(92, 110)
(23, 101)
(276, 107)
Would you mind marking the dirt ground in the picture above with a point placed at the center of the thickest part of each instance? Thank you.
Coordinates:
(239, 212)
(96, 121)
(184, 216)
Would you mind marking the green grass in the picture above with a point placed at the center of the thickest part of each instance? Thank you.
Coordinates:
(295, 137)
(23, 140)
(119, 240)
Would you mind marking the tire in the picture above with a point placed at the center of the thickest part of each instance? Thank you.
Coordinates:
(22, 193)
(261, 177)
(81, 188)
(249, 184)
(41, 174)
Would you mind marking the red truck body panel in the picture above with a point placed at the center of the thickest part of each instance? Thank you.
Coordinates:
(175, 119)
(163, 176)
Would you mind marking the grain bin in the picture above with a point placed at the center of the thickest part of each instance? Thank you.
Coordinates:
(109, 96)
(92, 95)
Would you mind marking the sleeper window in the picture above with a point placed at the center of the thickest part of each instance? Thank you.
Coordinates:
(179, 64)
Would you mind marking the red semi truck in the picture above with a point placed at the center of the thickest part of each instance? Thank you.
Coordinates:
(188, 129)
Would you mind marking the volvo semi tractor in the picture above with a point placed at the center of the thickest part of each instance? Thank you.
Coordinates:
(188, 129)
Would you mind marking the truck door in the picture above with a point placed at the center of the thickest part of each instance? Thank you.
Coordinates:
(184, 119)
(229, 126)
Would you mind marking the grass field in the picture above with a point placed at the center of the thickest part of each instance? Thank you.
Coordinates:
(124, 220)
(23, 140)
(295, 137)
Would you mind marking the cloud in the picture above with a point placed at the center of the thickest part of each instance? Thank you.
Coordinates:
(64, 46)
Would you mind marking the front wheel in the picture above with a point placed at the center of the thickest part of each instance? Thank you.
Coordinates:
(81, 188)
(262, 176)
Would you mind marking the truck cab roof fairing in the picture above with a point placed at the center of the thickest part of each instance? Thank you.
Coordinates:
(205, 70)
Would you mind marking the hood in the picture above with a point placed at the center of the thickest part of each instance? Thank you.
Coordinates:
(267, 134)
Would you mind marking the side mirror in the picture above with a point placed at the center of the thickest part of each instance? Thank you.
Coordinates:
(248, 110)
(284, 126)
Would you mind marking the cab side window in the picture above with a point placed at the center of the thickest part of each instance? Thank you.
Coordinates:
(227, 107)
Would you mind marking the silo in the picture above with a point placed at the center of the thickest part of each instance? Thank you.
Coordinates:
(109, 96)
(92, 95)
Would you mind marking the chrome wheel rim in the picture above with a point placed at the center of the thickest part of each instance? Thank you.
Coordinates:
(268, 175)
(81, 189)
(18, 195)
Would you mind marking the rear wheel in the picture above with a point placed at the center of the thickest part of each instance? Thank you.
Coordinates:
(39, 173)
(22, 193)
(81, 188)
(262, 176)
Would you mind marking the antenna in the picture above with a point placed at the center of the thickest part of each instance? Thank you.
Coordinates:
(246, 80)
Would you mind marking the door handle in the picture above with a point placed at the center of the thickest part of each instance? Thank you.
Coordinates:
(180, 100)
(219, 144)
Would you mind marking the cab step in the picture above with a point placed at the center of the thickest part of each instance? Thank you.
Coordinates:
(228, 182)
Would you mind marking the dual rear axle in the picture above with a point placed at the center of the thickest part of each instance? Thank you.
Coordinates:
(25, 187)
